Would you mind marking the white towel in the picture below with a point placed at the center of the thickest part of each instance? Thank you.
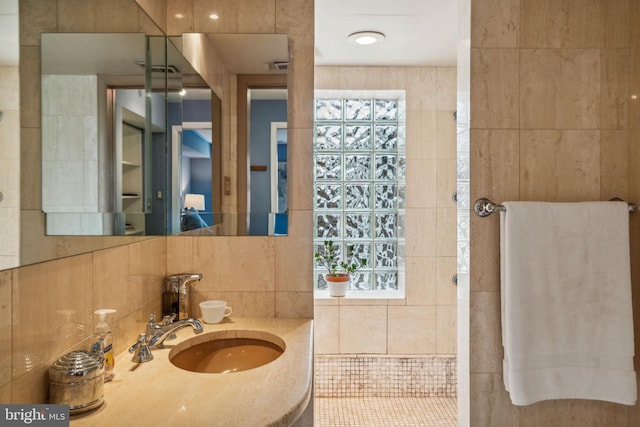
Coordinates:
(567, 323)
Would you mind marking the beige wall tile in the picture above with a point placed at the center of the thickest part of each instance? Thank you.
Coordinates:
(423, 84)
(421, 171)
(6, 283)
(300, 113)
(422, 136)
(446, 135)
(294, 304)
(33, 248)
(300, 153)
(10, 135)
(495, 157)
(616, 23)
(410, 330)
(78, 16)
(490, 404)
(39, 16)
(30, 93)
(157, 11)
(242, 16)
(294, 255)
(326, 328)
(236, 263)
(363, 329)
(421, 282)
(362, 78)
(495, 161)
(5, 392)
(30, 169)
(397, 78)
(495, 23)
(10, 88)
(446, 291)
(244, 304)
(560, 88)
(325, 77)
(560, 165)
(446, 88)
(42, 293)
(446, 183)
(30, 387)
(446, 228)
(112, 288)
(180, 257)
(485, 338)
(446, 329)
(183, 24)
(561, 23)
(574, 413)
(495, 88)
(614, 101)
(614, 164)
(421, 241)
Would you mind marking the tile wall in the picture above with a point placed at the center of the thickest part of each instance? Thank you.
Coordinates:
(554, 117)
(260, 276)
(424, 322)
(384, 376)
(10, 166)
(51, 309)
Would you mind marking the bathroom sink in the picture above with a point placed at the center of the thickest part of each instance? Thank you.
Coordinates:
(227, 351)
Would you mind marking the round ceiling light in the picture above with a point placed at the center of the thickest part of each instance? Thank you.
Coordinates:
(366, 37)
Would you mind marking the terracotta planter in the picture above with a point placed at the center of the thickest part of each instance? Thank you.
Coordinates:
(337, 285)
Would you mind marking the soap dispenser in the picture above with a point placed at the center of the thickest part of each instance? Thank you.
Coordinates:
(104, 335)
(176, 299)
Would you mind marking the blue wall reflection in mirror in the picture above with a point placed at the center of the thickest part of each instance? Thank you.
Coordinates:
(262, 113)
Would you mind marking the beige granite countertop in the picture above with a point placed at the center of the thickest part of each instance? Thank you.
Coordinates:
(157, 393)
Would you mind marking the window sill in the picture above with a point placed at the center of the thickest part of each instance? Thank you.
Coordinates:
(322, 297)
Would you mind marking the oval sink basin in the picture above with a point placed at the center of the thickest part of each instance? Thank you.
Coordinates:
(218, 353)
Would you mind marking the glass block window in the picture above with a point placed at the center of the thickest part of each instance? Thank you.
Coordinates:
(359, 186)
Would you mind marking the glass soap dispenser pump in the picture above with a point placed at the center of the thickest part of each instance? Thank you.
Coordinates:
(103, 334)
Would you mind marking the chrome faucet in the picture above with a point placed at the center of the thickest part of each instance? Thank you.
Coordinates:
(160, 333)
(157, 340)
(177, 297)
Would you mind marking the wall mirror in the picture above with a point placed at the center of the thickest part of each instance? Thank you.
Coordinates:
(132, 136)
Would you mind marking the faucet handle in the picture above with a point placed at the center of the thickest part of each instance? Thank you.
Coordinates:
(152, 325)
(141, 350)
(168, 319)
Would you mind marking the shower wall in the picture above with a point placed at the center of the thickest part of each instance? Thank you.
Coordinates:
(424, 322)
(554, 117)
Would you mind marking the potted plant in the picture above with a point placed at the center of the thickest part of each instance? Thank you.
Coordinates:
(338, 271)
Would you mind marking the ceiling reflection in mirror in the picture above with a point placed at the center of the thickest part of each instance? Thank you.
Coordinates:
(132, 133)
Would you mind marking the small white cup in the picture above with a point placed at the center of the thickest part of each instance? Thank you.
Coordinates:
(214, 311)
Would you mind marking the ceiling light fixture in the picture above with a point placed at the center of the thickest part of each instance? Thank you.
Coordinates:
(366, 37)
(214, 16)
(179, 15)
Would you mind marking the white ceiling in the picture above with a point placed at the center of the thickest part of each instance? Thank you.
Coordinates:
(418, 32)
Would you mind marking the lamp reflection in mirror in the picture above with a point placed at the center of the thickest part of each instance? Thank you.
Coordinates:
(195, 201)
(190, 218)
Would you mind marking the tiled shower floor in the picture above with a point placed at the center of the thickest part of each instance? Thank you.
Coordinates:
(385, 412)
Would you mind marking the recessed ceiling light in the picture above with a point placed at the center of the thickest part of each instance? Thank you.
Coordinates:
(214, 16)
(366, 37)
(179, 15)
